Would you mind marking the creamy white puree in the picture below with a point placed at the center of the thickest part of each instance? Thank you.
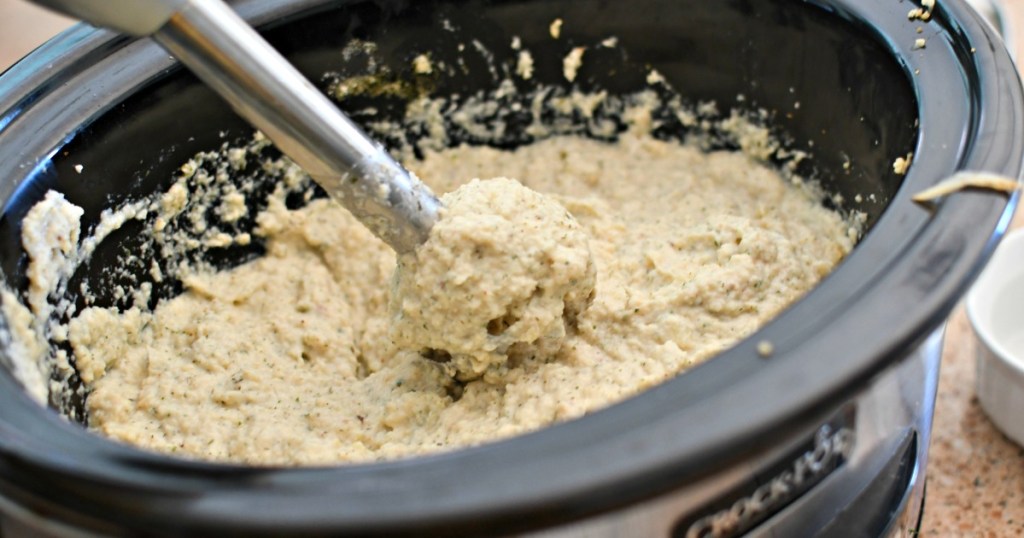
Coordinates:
(291, 359)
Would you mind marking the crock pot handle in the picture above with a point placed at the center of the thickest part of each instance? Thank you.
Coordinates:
(265, 89)
(135, 17)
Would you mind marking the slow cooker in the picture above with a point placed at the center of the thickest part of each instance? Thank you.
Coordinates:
(828, 435)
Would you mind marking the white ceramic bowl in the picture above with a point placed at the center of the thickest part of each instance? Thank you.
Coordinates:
(995, 306)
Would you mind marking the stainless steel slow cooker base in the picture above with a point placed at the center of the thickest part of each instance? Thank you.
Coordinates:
(860, 473)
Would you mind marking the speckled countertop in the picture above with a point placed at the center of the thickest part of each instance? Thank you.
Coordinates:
(975, 476)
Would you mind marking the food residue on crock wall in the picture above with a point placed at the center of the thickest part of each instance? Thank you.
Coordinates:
(572, 62)
(556, 28)
(421, 65)
(923, 13)
(902, 164)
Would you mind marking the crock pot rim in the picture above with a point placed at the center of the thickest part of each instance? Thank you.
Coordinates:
(349, 487)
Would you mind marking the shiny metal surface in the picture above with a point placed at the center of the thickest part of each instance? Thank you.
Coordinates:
(267, 90)
(129, 16)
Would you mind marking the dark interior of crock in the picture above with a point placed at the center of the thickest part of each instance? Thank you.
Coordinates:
(856, 111)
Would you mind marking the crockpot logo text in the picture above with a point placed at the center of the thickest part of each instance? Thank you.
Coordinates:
(830, 449)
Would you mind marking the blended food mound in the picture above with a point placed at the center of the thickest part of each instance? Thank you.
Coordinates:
(504, 276)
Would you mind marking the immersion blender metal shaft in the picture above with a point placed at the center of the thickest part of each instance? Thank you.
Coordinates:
(263, 87)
